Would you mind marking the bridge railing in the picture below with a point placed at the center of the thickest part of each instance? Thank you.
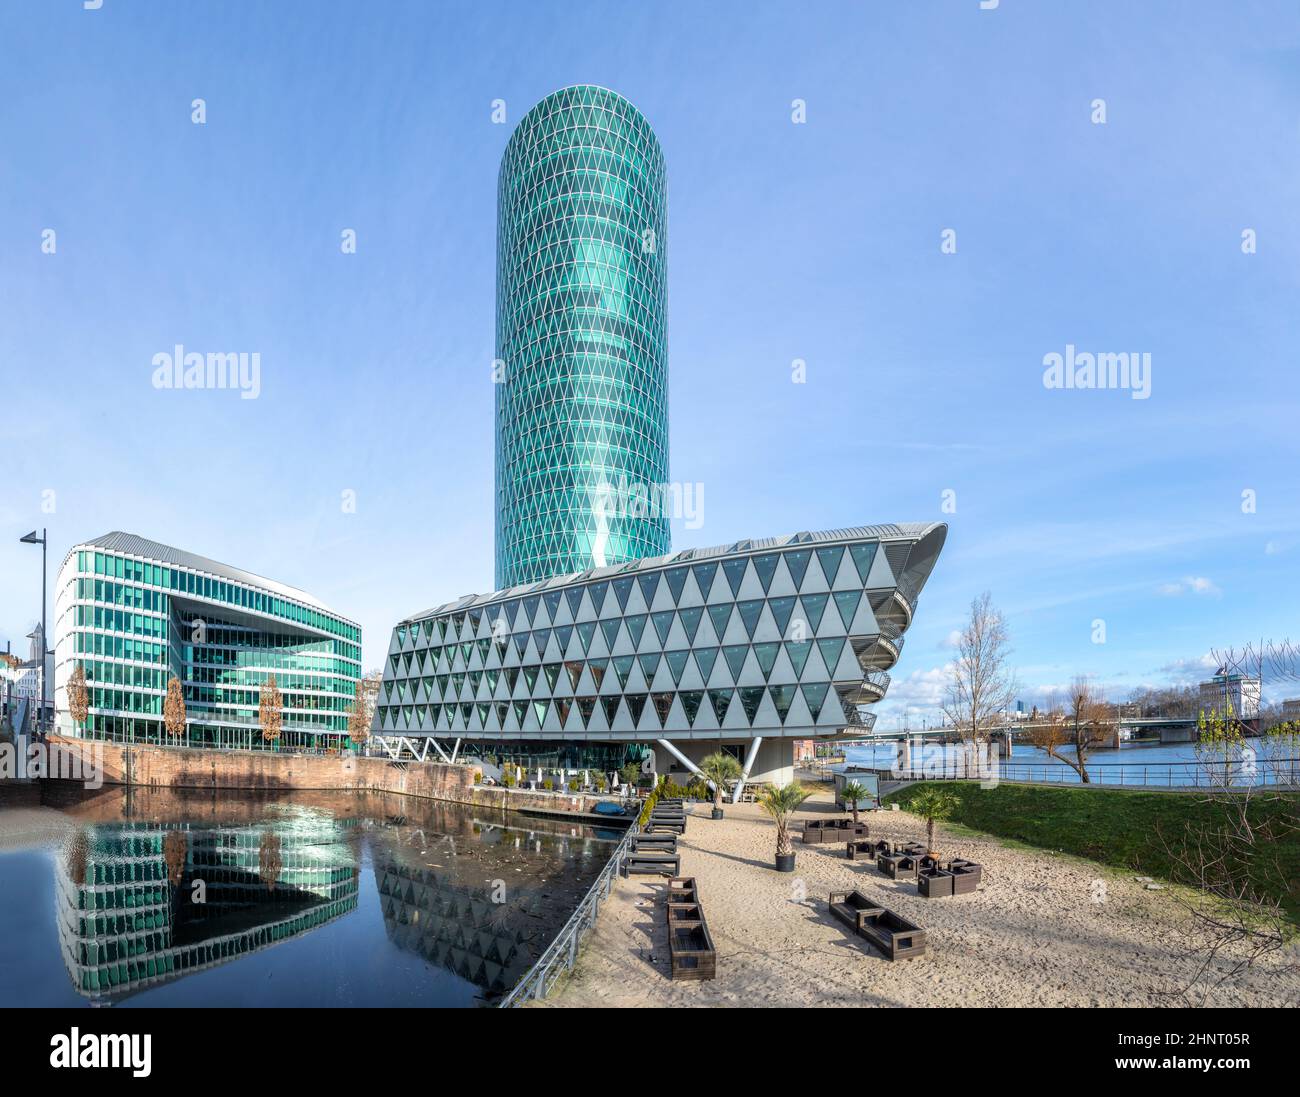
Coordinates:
(562, 953)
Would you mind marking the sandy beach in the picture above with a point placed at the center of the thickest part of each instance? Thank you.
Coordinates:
(1042, 930)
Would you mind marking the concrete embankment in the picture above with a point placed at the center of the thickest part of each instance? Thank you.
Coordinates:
(271, 771)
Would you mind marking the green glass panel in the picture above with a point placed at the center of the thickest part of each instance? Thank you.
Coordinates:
(691, 621)
(676, 661)
(649, 584)
(691, 699)
(663, 703)
(704, 574)
(766, 655)
(610, 628)
(749, 614)
(830, 648)
(635, 627)
(735, 655)
(610, 705)
(649, 664)
(720, 615)
(721, 701)
(704, 659)
(750, 698)
(829, 558)
(663, 622)
(676, 579)
(622, 668)
(863, 555)
(765, 568)
(846, 601)
(597, 591)
(814, 605)
(635, 705)
(622, 589)
(734, 569)
(586, 631)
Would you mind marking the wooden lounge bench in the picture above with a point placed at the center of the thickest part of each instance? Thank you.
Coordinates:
(691, 952)
(966, 876)
(814, 830)
(859, 849)
(655, 841)
(850, 907)
(894, 935)
(676, 826)
(682, 889)
(651, 864)
(897, 865)
(934, 883)
(684, 913)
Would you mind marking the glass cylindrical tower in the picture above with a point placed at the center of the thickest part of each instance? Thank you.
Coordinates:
(582, 339)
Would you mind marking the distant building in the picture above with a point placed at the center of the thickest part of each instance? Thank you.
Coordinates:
(1291, 709)
(1230, 694)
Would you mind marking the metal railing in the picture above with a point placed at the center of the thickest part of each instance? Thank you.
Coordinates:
(562, 953)
(1276, 773)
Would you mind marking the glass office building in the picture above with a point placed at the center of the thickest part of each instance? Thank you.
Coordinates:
(133, 614)
(761, 641)
(582, 339)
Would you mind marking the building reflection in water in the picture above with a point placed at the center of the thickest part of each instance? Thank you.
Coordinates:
(140, 903)
(485, 902)
(155, 885)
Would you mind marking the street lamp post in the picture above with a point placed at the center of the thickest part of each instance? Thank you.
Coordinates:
(32, 539)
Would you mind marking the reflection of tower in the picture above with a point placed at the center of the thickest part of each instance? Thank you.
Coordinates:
(124, 925)
(582, 331)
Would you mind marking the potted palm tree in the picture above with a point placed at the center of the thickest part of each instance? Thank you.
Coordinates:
(931, 804)
(719, 768)
(781, 803)
(852, 793)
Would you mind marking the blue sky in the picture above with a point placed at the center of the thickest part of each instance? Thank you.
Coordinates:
(818, 241)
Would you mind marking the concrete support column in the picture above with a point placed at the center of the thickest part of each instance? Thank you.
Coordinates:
(754, 744)
(683, 759)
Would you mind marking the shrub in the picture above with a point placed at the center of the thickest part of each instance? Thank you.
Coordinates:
(574, 784)
(508, 779)
(548, 784)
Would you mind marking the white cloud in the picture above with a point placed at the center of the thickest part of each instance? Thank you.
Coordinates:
(1193, 584)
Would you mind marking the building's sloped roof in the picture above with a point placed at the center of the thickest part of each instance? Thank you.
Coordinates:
(889, 531)
(133, 545)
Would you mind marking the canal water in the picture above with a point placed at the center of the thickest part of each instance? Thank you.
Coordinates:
(134, 896)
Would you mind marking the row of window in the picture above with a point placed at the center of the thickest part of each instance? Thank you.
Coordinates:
(119, 647)
(219, 590)
(122, 594)
(119, 620)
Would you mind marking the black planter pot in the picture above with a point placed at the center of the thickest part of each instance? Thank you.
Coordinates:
(785, 862)
(716, 813)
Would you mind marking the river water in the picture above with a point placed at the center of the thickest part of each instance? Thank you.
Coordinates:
(1156, 765)
(134, 896)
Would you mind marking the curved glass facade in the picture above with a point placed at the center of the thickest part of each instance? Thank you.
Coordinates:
(582, 400)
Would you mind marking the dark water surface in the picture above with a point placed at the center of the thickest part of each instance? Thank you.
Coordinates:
(130, 896)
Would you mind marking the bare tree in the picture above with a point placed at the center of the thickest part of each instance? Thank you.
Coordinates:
(982, 686)
(174, 708)
(270, 709)
(1088, 721)
(78, 699)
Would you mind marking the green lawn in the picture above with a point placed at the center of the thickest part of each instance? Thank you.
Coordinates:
(1112, 826)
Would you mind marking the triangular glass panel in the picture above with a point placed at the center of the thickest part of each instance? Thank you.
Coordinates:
(704, 574)
(750, 698)
(610, 705)
(782, 699)
(847, 603)
(586, 631)
(830, 648)
(676, 661)
(649, 664)
(749, 612)
(635, 705)
(649, 584)
(622, 588)
(663, 703)
(734, 569)
(797, 652)
(663, 623)
(863, 555)
(830, 557)
(704, 659)
(635, 627)
(691, 621)
(598, 592)
(623, 667)
(721, 701)
(610, 628)
(676, 579)
(691, 699)
(720, 615)
(814, 605)
(735, 654)
(765, 568)
(766, 655)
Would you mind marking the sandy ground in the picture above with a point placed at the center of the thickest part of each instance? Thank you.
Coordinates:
(1043, 930)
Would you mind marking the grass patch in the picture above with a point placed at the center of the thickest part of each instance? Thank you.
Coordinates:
(1113, 827)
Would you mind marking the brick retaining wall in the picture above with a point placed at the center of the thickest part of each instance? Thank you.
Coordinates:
(194, 767)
